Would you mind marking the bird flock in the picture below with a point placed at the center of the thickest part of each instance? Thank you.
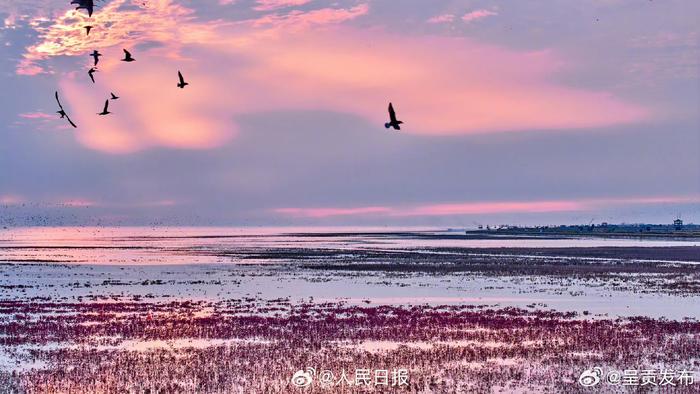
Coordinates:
(89, 5)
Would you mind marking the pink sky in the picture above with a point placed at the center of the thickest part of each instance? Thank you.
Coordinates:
(511, 109)
(473, 208)
(306, 61)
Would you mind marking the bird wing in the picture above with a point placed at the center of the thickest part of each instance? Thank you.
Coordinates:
(392, 114)
(179, 75)
(89, 6)
(90, 74)
(126, 53)
(106, 105)
(58, 101)
(71, 122)
(63, 111)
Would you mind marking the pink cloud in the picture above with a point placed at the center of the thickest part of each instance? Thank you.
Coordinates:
(445, 18)
(10, 199)
(467, 208)
(299, 20)
(36, 115)
(151, 21)
(475, 208)
(42, 121)
(141, 118)
(645, 200)
(472, 208)
(304, 60)
(26, 67)
(479, 88)
(269, 5)
(478, 14)
(329, 212)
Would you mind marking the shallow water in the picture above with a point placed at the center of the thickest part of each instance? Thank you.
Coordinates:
(192, 245)
(216, 282)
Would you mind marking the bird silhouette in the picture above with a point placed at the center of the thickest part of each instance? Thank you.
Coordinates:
(182, 82)
(127, 56)
(90, 72)
(392, 119)
(104, 110)
(113, 96)
(62, 112)
(96, 55)
(85, 4)
(87, 30)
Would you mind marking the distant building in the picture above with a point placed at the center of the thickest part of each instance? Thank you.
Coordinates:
(678, 224)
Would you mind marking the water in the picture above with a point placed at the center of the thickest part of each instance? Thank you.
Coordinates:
(220, 263)
(196, 245)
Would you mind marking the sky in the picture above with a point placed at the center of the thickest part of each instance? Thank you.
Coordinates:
(532, 113)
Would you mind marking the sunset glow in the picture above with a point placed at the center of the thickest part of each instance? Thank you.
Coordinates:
(288, 65)
(471, 208)
(504, 113)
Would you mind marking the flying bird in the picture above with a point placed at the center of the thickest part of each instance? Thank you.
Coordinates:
(182, 82)
(90, 72)
(85, 4)
(113, 96)
(104, 110)
(87, 30)
(392, 119)
(63, 113)
(127, 56)
(96, 55)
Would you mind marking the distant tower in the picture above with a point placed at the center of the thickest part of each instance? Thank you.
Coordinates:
(678, 223)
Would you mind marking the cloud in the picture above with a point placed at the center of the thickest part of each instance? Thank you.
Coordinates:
(301, 20)
(330, 212)
(269, 5)
(10, 199)
(467, 208)
(481, 208)
(472, 208)
(36, 115)
(478, 14)
(302, 60)
(42, 121)
(117, 23)
(479, 88)
(444, 18)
